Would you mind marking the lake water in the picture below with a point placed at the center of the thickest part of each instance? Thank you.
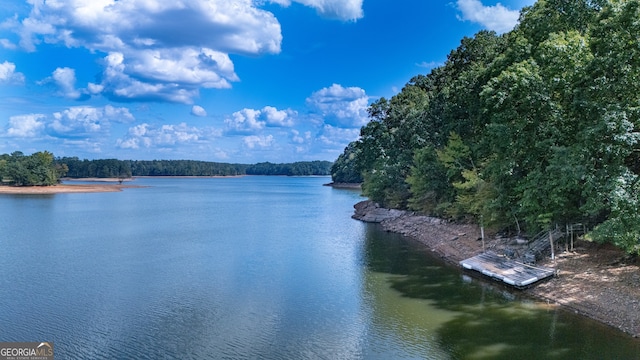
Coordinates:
(255, 267)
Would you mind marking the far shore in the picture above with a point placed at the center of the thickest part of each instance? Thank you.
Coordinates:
(71, 185)
(189, 176)
(112, 179)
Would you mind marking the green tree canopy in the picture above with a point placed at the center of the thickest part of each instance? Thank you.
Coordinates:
(538, 126)
(29, 170)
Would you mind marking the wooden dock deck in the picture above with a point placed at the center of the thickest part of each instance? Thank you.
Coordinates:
(510, 272)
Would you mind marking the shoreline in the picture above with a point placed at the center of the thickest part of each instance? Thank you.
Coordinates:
(596, 281)
(64, 189)
(95, 179)
(353, 186)
(69, 185)
(188, 176)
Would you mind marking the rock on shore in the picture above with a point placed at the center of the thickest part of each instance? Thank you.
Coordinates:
(369, 211)
(453, 242)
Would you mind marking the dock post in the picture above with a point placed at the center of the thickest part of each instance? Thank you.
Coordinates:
(553, 255)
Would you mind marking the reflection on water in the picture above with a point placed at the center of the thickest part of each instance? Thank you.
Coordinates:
(255, 267)
(445, 314)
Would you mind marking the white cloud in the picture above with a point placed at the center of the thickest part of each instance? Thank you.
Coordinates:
(30, 26)
(252, 120)
(145, 135)
(5, 43)
(345, 107)
(76, 121)
(255, 141)
(198, 111)
(81, 121)
(497, 18)
(163, 50)
(26, 126)
(110, 25)
(94, 89)
(278, 118)
(183, 65)
(346, 10)
(65, 79)
(8, 74)
(129, 143)
(245, 121)
(153, 55)
(334, 136)
(120, 86)
(121, 114)
(299, 138)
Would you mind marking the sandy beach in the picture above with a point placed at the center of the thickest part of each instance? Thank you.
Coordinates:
(595, 280)
(70, 185)
(64, 188)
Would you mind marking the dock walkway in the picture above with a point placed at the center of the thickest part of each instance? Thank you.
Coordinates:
(509, 271)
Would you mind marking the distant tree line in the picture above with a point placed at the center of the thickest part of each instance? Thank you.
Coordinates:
(42, 168)
(527, 130)
(113, 168)
(292, 169)
(37, 169)
(107, 168)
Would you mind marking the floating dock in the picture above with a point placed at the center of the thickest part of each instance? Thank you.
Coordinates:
(511, 272)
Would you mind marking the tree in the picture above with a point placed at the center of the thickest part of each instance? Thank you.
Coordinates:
(541, 124)
(431, 192)
(346, 169)
(516, 138)
(36, 169)
(611, 107)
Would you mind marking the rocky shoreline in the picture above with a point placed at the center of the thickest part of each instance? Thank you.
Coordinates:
(597, 281)
(352, 186)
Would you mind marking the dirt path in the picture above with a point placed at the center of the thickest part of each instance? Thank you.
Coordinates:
(598, 281)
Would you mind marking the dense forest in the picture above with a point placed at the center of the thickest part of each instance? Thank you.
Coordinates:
(42, 168)
(520, 132)
(37, 169)
(113, 168)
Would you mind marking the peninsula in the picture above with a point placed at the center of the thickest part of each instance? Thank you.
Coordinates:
(63, 188)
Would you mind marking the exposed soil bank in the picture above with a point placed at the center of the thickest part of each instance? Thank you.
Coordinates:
(598, 281)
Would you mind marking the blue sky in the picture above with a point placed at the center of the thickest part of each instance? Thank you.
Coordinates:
(240, 81)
